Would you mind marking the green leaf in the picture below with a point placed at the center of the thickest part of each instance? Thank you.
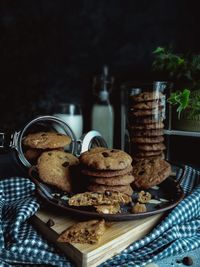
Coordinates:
(180, 99)
(185, 98)
(159, 50)
(181, 61)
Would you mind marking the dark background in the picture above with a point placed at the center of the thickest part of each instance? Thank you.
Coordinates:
(50, 50)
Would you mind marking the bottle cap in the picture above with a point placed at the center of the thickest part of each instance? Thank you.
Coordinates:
(102, 84)
(103, 95)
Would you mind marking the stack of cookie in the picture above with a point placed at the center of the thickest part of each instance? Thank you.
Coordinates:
(107, 170)
(46, 150)
(34, 144)
(146, 115)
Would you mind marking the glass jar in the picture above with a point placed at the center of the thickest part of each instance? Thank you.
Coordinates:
(145, 112)
(14, 143)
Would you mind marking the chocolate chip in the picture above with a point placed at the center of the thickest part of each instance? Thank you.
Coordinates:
(108, 193)
(141, 172)
(65, 164)
(50, 223)
(187, 261)
(113, 151)
(49, 154)
(105, 154)
(43, 134)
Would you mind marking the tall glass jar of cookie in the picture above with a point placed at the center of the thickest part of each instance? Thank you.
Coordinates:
(146, 116)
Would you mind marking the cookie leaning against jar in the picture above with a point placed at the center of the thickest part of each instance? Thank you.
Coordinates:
(55, 168)
(151, 172)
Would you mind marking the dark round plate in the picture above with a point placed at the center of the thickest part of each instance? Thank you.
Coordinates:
(165, 196)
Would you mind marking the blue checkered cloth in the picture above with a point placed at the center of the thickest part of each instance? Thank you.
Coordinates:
(22, 245)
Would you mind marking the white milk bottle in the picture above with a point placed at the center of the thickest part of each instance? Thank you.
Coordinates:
(72, 115)
(102, 110)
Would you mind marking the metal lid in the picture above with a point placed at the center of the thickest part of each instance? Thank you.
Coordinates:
(90, 140)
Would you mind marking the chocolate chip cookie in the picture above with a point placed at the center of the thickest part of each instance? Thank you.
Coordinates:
(46, 140)
(108, 209)
(126, 189)
(146, 112)
(107, 173)
(147, 96)
(147, 133)
(147, 104)
(152, 157)
(113, 181)
(149, 173)
(146, 119)
(147, 140)
(100, 158)
(149, 126)
(32, 154)
(151, 147)
(83, 232)
(98, 198)
(54, 168)
(148, 153)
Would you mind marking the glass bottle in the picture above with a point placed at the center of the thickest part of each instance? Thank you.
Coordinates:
(102, 110)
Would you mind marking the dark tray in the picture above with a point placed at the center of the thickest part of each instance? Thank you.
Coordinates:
(169, 190)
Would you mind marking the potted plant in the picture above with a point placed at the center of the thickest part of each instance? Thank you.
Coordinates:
(184, 72)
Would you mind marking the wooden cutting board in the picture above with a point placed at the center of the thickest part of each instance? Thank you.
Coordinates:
(117, 237)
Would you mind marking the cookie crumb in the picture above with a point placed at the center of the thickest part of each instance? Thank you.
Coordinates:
(105, 154)
(50, 223)
(138, 207)
(187, 261)
(108, 193)
(144, 197)
(65, 164)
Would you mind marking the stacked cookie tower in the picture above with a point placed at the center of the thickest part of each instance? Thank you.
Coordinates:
(146, 115)
(107, 170)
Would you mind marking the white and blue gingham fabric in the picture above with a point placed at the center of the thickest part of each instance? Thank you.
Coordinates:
(177, 233)
(22, 245)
